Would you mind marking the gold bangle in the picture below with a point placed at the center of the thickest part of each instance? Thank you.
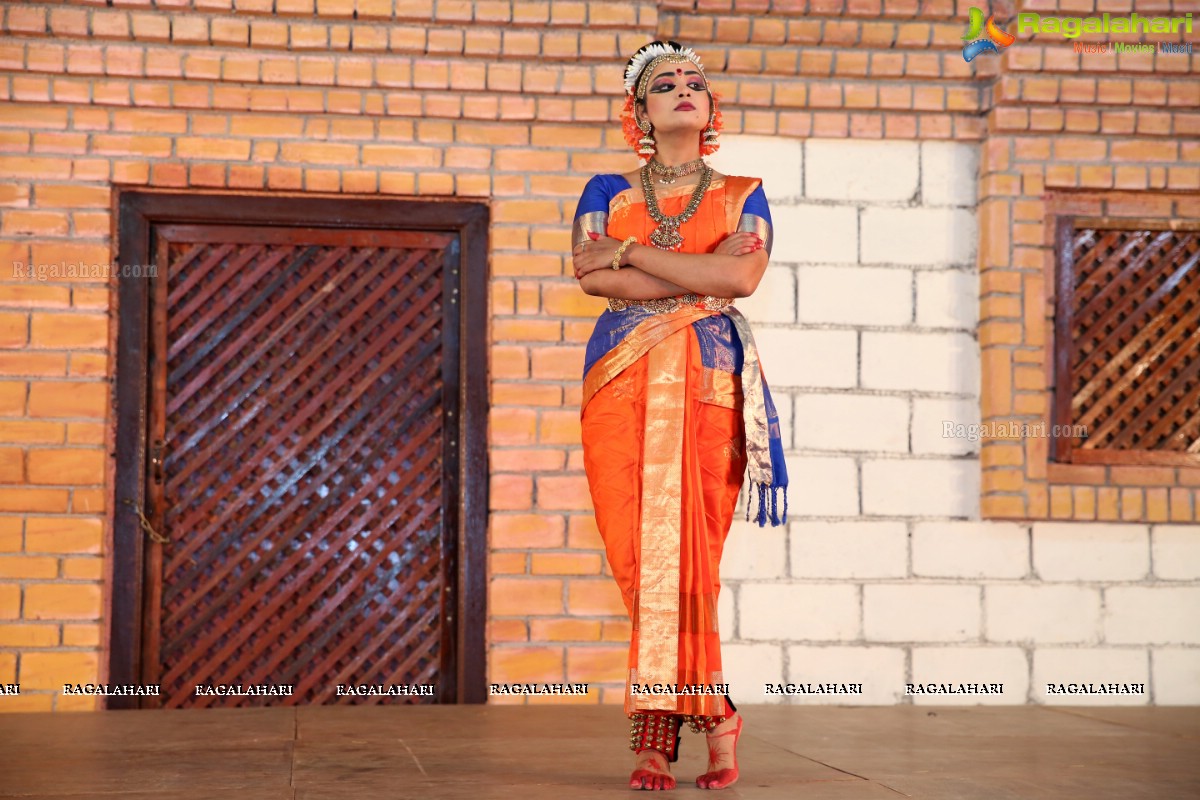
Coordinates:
(616, 262)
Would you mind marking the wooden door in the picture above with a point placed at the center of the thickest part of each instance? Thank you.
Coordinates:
(301, 477)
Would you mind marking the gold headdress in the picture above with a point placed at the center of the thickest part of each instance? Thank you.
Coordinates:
(649, 57)
(638, 72)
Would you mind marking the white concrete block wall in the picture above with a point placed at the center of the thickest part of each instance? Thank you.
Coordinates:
(876, 668)
(1114, 551)
(885, 575)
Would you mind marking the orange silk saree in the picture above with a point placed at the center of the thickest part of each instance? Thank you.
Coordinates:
(675, 409)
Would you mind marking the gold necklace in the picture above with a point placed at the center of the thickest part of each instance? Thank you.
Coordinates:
(671, 174)
(666, 235)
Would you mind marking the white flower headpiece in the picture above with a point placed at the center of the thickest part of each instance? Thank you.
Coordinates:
(653, 53)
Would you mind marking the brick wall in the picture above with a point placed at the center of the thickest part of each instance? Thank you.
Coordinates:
(907, 190)
(1092, 134)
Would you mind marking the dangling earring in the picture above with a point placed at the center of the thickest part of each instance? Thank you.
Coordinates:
(711, 134)
(646, 143)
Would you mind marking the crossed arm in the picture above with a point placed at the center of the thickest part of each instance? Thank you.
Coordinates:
(648, 273)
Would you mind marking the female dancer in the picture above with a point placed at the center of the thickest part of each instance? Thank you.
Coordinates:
(675, 403)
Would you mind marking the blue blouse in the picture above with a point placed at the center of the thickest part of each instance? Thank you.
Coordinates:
(591, 213)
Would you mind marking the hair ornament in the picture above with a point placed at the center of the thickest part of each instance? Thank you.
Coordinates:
(653, 52)
(638, 71)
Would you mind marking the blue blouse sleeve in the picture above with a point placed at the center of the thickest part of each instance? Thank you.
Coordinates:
(756, 217)
(591, 213)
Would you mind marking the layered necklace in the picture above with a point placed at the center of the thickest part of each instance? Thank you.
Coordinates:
(666, 235)
(669, 175)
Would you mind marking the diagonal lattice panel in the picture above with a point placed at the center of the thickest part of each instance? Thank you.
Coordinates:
(1135, 329)
(303, 469)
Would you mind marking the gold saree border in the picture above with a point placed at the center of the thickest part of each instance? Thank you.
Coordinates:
(754, 404)
(645, 335)
(697, 613)
(634, 194)
(585, 224)
(737, 191)
(662, 511)
(720, 388)
(757, 225)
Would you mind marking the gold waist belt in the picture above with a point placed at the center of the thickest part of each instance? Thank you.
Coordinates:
(664, 304)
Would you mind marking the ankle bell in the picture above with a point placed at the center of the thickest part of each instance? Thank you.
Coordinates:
(703, 723)
(654, 731)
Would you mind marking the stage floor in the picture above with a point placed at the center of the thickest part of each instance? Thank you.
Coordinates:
(553, 752)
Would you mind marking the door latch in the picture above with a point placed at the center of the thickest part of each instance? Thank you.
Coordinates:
(145, 523)
(156, 461)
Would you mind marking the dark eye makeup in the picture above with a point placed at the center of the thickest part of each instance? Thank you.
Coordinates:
(697, 85)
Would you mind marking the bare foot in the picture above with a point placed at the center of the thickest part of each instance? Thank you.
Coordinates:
(722, 760)
(651, 772)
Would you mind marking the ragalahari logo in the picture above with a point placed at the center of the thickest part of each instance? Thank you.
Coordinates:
(983, 38)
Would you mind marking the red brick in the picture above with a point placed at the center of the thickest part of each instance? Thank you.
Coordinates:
(525, 664)
(596, 664)
(557, 363)
(526, 530)
(559, 492)
(508, 564)
(63, 399)
(566, 564)
(62, 601)
(66, 534)
(65, 466)
(560, 427)
(526, 394)
(513, 426)
(11, 532)
(510, 362)
(70, 330)
(521, 596)
(81, 634)
(565, 629)
(511, 492)
(27, 499)
(507, 630)
(12, 398)
(50, 670)
(28, 567)
(28, 635)
(14, 329)
(528, 459)
(595, 597)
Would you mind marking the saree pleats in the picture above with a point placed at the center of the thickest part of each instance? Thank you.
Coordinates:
(663, 453)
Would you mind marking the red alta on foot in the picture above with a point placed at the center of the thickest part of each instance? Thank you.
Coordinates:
(659, 732)
(720, 778)
(651, 779)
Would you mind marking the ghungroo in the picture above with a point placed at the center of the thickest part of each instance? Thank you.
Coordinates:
(655, 730)
(700, 723)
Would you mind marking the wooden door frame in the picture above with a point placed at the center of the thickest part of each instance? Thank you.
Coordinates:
(138, 210)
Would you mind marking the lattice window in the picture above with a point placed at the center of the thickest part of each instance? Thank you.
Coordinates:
(1127, 343)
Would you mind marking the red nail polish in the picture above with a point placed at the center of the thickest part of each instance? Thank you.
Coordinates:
(594, 235)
